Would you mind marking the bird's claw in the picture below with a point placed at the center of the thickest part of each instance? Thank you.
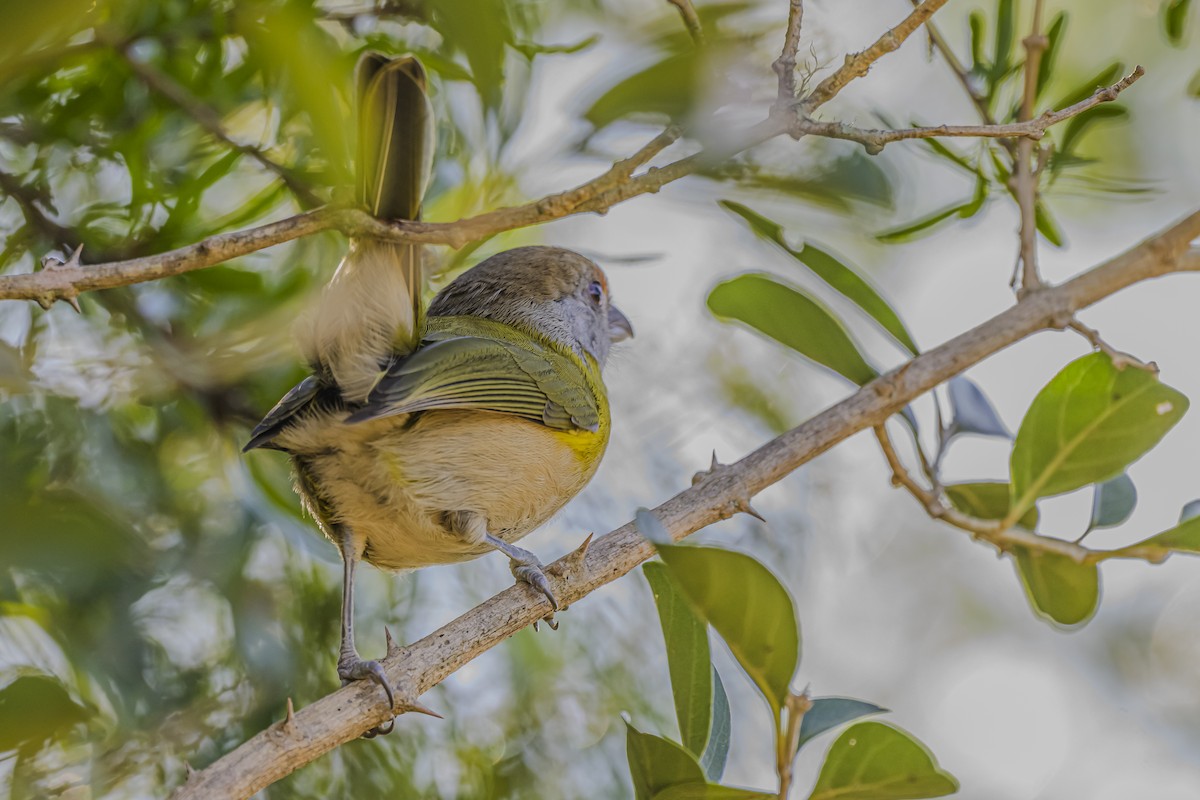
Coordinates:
(533, 573)
(352, 668)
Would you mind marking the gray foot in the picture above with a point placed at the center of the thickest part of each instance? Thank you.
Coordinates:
(353, 668)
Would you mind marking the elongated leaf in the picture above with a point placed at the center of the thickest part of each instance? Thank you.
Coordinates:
(1184, 537)
(792, 318)
(1059, 588)
(988, 500)
(1105, 77)
(1089, 422)
(978, 30)
(1075, 129)
(830, 712)
(1175, 20)
(686, 637)
(910, 230)
(1046, 225)
(1113, 502)
(873, 761)
(748, 606)
(716, 752)
(667, 88)
(1002, 55)
(972, 411)
(840, 277)
(948, 154)
(1054, 39)
(656, 763)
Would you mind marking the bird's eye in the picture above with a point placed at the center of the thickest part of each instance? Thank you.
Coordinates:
(596, 291)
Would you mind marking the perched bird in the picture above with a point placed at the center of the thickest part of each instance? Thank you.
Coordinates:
(433, 437)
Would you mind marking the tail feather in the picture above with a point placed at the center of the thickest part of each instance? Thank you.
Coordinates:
(372, 306)
(395, 138)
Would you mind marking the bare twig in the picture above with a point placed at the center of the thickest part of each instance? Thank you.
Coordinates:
(857, 64)
(691, 19)
(1119, 359)
(1025, 187)
(1033, 129)
(210, 120)
(785, 65)
(964, 77)
(413, 670)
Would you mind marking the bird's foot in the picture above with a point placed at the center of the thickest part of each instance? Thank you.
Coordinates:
(527, 569)
(351, 667)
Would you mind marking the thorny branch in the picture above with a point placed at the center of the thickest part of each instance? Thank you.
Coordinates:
(413, 670)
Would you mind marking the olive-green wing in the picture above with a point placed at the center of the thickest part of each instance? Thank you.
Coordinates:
(482, 374)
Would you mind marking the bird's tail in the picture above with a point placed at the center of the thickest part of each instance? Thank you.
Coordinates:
(372, 306)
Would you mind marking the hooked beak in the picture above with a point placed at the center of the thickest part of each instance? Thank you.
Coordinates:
(619, 328)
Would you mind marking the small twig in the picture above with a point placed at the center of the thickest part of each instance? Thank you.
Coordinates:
(857, 64)
(691, 19)
(210, 120)
(1033, 129)
(1120, 359)
(785, 65)
(1025, 186)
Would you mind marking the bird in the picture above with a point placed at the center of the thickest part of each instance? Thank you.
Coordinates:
(436, 435)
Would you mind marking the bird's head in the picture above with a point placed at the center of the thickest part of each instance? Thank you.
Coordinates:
(552, 291)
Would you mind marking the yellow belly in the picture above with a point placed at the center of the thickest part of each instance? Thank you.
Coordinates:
(389, 481)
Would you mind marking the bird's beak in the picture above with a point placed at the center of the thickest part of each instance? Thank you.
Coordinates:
(619, 328)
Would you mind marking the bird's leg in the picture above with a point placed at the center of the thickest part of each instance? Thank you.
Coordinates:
(351, 666)
(525, 566)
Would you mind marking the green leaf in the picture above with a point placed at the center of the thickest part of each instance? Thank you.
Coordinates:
(667, 88)
(1078, 126)
(978, 25)
(716, 753)
(873, 761)
(1184, 537)
(988, 500)
(910, 230)
(1105, 77)
(840, 277)
(656, 763)
(686, 638)
(1046, 225)
(1089, 422)
(1054, 39)
(1002, 56)
(946, 153)
(34, 709)
(1058, 587)
(792, 318)
(748, 606)
(1113, 502)
(1193, 87)
(1175, 20)
(830, 712)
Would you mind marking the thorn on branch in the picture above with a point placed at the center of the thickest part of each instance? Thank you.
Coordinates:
(393, 650)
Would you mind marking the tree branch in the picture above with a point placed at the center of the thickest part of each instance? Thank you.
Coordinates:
(1025, 187)
(857, 64)
(724, 490)
(1032, 129)
(785, 65)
